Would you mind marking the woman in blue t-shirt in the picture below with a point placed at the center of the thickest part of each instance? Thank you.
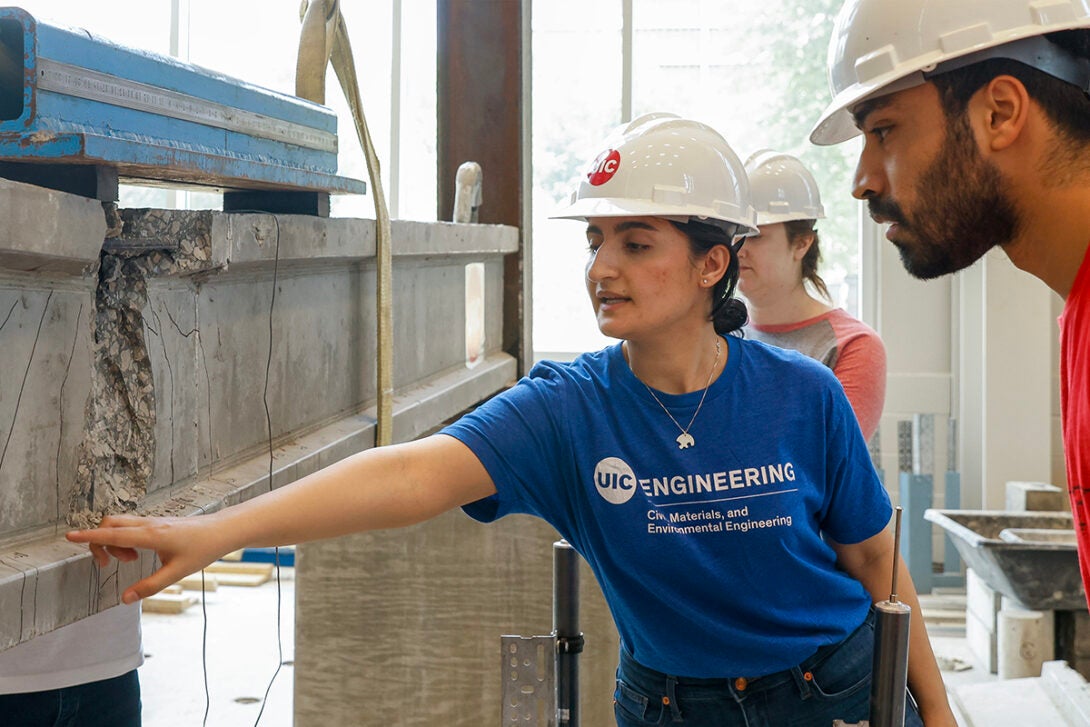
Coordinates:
(719, 488)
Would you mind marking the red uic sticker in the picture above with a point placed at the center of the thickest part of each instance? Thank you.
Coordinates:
(604, 167)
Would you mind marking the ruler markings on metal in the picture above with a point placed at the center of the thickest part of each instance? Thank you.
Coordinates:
(92, 85)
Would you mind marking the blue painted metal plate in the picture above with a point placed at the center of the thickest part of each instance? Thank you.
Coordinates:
(70, 97)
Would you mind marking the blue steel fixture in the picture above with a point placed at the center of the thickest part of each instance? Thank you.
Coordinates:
(77, 112)
(916, 461)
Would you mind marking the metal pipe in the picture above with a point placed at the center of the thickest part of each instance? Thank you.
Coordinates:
(569, 640)
(889, 682)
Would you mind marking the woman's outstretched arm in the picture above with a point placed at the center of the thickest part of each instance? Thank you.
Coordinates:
(382, 488)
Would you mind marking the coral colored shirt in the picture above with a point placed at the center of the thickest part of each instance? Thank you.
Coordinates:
(849, 347)
(1075, 405)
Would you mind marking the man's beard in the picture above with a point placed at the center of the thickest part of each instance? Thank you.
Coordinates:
(961, 211)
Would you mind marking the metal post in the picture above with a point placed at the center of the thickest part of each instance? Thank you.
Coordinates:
(889, 679)
(569, 640)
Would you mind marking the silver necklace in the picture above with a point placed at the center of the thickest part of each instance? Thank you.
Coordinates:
(685, 440)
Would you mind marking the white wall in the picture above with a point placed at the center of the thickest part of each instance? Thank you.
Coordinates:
(978, 346)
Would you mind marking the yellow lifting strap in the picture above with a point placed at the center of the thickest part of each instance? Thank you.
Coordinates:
(324, 40)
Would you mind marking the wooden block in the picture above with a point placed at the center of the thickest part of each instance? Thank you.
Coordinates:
(172, 589)
(246, 568)
(169, 603)
(242, 579)
(234, 555)
(241, 574)
(193, 582)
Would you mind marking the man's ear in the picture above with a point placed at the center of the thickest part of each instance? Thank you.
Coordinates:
(1002, 111)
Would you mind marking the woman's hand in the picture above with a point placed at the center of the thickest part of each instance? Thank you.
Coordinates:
(184, 546)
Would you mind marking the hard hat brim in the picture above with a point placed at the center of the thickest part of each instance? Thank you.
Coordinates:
(586, 208)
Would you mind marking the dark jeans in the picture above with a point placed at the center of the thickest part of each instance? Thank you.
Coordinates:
(108, 703)
(833, 683)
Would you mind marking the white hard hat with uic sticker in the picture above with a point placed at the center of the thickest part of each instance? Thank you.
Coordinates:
(879, 47)
(662, 165)
(782, 188)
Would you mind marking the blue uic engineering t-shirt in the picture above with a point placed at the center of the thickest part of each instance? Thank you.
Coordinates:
(711, 557)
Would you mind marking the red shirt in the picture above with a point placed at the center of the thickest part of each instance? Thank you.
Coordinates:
(1075, 406)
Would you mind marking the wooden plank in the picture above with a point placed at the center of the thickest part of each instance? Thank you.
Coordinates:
(193, 582)
(167, 603)
(242, 579)
(241, 567)
(241, 573)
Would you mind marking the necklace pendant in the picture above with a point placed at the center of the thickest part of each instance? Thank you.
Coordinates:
(685, 440)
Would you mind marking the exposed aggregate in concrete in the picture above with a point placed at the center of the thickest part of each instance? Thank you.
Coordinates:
(117, 454)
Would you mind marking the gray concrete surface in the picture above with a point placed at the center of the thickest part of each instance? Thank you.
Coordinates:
(137, 380)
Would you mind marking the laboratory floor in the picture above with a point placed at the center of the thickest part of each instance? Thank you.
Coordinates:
(944, 613)
(242, 655)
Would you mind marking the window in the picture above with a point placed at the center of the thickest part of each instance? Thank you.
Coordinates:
(753, 69)
(390, 47)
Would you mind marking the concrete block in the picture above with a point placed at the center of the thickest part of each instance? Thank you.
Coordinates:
(1068, 690)
(1024, 496)
(982, 600)
(982, 642)
(1048, 616)
(1024, 642)
(1021, 702)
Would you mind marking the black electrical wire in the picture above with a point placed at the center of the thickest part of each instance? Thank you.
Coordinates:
(204, 652)
(268, 422)
(276, 551)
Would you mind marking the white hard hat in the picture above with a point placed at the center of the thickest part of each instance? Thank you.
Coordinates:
(662, 165)
(879, 46)
(782, 189)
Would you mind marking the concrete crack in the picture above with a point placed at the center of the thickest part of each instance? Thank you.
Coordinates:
(60, 406)
(170, 374)
(22, 593)
(22, 386)
(8, 316)
(208, 392)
